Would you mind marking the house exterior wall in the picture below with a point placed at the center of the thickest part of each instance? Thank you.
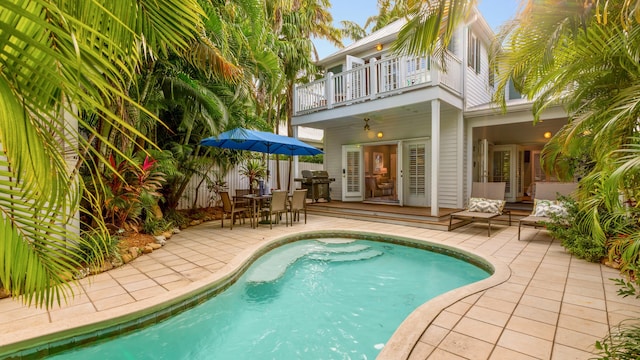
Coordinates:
(403, 128)
(476, 85)
(448, 178)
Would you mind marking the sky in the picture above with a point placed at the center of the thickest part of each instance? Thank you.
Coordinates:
(494, 11)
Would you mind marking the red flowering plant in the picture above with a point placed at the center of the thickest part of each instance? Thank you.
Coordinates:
(129, 190)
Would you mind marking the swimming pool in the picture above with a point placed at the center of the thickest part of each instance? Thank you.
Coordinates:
(332, 298)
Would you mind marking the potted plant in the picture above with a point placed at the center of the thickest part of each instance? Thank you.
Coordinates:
(255, 171)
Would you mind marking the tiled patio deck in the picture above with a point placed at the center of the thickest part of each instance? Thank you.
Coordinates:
(552, 305)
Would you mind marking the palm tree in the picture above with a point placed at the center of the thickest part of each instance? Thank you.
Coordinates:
(582, 55)
(430, 25)
(61, 61)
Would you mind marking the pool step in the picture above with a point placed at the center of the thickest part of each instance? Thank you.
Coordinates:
(340, 257)
(277, 265)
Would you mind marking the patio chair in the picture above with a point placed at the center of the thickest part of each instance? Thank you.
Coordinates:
(486, 203)
(239, 200)
(278, 206)
(229, 208)
(298, 203)
(545, 203)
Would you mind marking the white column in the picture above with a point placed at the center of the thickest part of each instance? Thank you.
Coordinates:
(328, 90)
(295, 162)
(460, 160)
(373, 78)
(435, 155)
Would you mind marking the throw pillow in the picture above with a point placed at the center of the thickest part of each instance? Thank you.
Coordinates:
(541, 207)
(486, 205)
(558, 209)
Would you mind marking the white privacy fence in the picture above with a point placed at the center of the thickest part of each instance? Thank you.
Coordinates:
(200, 197)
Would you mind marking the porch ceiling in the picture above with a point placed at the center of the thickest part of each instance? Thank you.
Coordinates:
(524, 133)
(353, 115)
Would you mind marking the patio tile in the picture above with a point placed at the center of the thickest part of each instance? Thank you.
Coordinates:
(446, 319)
(113, 301)
(478, 329)
(585, 301)
(582, 325)
(500, 353)
(584, 312)
(148, 292)
(434, 335)
(527, 344)
(487, 315)
(496, 304)
(562, 352)
(72, 311)
(575, 339)
(503, 294)
(439, 354)
(466, 346)
(529, 312)
(139, 285)
(541, 303)
(531, 327)
(421, 351)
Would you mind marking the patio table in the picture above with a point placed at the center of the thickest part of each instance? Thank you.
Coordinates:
(255, 202)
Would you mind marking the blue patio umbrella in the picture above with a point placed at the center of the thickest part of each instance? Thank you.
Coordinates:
(260, 141)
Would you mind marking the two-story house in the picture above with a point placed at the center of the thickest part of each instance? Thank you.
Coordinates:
(406, 131)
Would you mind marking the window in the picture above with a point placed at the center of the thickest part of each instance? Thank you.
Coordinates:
(473, 53)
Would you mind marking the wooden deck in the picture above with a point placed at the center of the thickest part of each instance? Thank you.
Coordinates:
(399, 215)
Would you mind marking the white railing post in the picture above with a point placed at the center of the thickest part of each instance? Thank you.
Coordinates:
(435, 71)
(328, 90)
(373, 78)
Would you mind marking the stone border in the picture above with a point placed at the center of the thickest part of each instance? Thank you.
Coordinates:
(154, 310)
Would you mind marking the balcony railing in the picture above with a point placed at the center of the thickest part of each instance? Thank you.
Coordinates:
(377, 79)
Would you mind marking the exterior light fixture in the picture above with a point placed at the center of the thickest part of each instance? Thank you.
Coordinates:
(378, 47)
(366, 124)
(547, 135)
(380, 134)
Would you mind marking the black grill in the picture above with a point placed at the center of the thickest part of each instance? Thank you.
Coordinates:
(317, 182)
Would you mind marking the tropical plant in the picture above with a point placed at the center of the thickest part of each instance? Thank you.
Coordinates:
(64, 62)
(216, 185)
(255, 171)
(430, 25)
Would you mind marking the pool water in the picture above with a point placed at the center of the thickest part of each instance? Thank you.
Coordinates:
(311, 299)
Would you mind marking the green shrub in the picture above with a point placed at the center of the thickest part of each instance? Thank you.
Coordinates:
(154, 226)
(574, 237)
(96, 250)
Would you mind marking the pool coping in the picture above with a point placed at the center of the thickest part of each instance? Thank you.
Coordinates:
(149, 311)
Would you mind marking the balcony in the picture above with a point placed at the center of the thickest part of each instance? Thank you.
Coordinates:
(378, 78)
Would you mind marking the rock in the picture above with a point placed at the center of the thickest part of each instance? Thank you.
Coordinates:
(195, 222)
(82, 273)
(147, 249)
(167, 234)
(155, 246)
(160, 239)
(116, 262)
(106, 266)
(4, 293)
(126, 258)
(176, 230)
(134, 251)
(612, 264)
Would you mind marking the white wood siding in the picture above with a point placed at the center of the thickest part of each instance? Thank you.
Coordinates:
(477, 91)
(448, 179)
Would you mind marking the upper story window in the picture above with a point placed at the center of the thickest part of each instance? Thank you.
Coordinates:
(473, 53)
